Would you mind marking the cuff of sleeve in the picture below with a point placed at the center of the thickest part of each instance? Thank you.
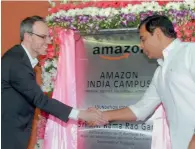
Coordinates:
(136, 111)
(74, 114)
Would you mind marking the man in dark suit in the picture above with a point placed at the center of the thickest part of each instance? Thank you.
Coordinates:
(20, 92)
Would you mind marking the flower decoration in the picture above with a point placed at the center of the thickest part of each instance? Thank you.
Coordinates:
(92, 16)
(186, 32)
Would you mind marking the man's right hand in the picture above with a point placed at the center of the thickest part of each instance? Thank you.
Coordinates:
(92, 115)
(124, 114)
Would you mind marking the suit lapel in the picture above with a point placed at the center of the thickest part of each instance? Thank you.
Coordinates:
(26, 58)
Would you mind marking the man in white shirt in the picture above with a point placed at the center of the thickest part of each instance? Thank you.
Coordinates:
(173, 83)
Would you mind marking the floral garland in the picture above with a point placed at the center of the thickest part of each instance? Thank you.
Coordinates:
(93, 16)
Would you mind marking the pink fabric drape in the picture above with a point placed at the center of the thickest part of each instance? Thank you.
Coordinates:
(160, 135)
(60, 135)
(81, 64)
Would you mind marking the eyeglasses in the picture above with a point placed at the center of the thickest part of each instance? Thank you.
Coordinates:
(41, 36)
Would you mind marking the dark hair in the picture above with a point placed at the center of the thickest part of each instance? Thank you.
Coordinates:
(27, 25)
(159, 21)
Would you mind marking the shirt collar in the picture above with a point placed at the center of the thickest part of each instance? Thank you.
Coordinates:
(167, 51)
(33, 61)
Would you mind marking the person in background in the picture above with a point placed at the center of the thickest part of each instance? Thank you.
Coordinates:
(20, 93)
(173, 83)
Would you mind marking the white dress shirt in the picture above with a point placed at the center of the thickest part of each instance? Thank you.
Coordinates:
(173, 84)
(74, 112)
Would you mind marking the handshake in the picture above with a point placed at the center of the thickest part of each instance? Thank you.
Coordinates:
(93, 117)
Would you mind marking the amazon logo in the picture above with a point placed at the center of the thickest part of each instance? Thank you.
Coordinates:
(116, 52)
